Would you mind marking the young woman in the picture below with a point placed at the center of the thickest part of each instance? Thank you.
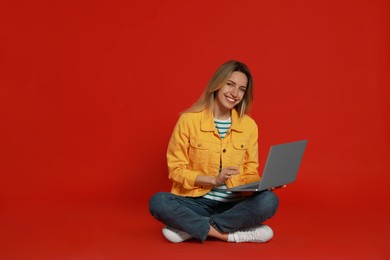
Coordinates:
(214, 146)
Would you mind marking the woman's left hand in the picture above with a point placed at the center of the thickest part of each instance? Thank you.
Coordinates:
(279, 187)
(245, 194)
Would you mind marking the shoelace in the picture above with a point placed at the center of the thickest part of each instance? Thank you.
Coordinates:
(251, 234)
(180, 233)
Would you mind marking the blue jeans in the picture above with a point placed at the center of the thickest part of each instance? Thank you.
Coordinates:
(194, 215)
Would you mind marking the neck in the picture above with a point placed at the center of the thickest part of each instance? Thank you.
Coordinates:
(221, 115)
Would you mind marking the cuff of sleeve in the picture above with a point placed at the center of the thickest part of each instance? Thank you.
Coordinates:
(189, 181)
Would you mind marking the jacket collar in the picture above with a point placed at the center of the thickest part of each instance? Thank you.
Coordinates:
(207, 123)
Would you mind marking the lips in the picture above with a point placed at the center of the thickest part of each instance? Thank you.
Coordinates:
(231, 100)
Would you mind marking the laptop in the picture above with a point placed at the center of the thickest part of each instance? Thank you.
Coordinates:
(280, 168)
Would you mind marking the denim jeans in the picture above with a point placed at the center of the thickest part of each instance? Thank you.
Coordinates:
(194, 215)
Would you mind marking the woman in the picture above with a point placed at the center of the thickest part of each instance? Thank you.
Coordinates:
(213, 147)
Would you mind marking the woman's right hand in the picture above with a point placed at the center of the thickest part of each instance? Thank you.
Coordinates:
(226, 174)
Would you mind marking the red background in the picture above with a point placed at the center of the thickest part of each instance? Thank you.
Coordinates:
(90, 92)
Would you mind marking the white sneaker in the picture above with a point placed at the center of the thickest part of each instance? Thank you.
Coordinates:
(259, 234)
(174, 235)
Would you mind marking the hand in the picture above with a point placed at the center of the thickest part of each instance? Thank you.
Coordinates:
(245, 194)
(226, 174)
(279, 187)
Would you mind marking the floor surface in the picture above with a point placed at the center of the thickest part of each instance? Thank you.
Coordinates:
(43, 230)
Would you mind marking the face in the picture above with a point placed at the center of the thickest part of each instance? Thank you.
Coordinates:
(230, 94)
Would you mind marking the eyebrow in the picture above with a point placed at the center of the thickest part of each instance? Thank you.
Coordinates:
(236, 83)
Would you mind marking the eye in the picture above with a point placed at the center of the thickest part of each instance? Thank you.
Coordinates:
(243, 89)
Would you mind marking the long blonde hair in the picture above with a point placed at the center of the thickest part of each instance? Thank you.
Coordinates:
(217, 81)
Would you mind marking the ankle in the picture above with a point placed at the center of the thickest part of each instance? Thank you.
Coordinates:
(216, 234)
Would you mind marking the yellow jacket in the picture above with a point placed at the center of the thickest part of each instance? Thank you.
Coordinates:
(196, 148)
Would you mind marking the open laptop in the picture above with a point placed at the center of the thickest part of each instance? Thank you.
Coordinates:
(281, 167)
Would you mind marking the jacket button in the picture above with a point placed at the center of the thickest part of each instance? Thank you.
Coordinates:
(199, 145)
(242, 146)
(224, 150)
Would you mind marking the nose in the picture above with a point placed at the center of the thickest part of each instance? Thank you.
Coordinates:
(234, 92)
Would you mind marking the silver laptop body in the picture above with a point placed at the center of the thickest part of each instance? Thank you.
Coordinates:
(280, 168)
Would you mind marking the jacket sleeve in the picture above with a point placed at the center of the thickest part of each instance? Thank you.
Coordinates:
(251, 160)
(178, 157)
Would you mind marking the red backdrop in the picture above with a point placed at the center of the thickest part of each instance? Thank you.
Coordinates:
(90, 92)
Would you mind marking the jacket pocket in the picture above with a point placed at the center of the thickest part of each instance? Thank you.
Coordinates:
(238, 153)
(199, 150)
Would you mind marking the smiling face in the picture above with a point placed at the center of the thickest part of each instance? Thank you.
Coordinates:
(229, 95)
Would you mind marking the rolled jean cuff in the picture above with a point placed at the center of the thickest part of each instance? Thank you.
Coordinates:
(204, 236)
(200, 230)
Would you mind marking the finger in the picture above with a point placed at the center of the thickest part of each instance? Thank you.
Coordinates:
(230, 173)
(232, 168)
(233, 171)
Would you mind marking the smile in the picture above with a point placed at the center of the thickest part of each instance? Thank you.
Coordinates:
(230, 99)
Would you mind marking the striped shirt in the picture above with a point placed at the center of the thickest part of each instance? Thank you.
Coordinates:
(222, 126)
(218, 193)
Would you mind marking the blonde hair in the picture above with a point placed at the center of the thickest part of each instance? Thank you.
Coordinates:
(217, 81)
